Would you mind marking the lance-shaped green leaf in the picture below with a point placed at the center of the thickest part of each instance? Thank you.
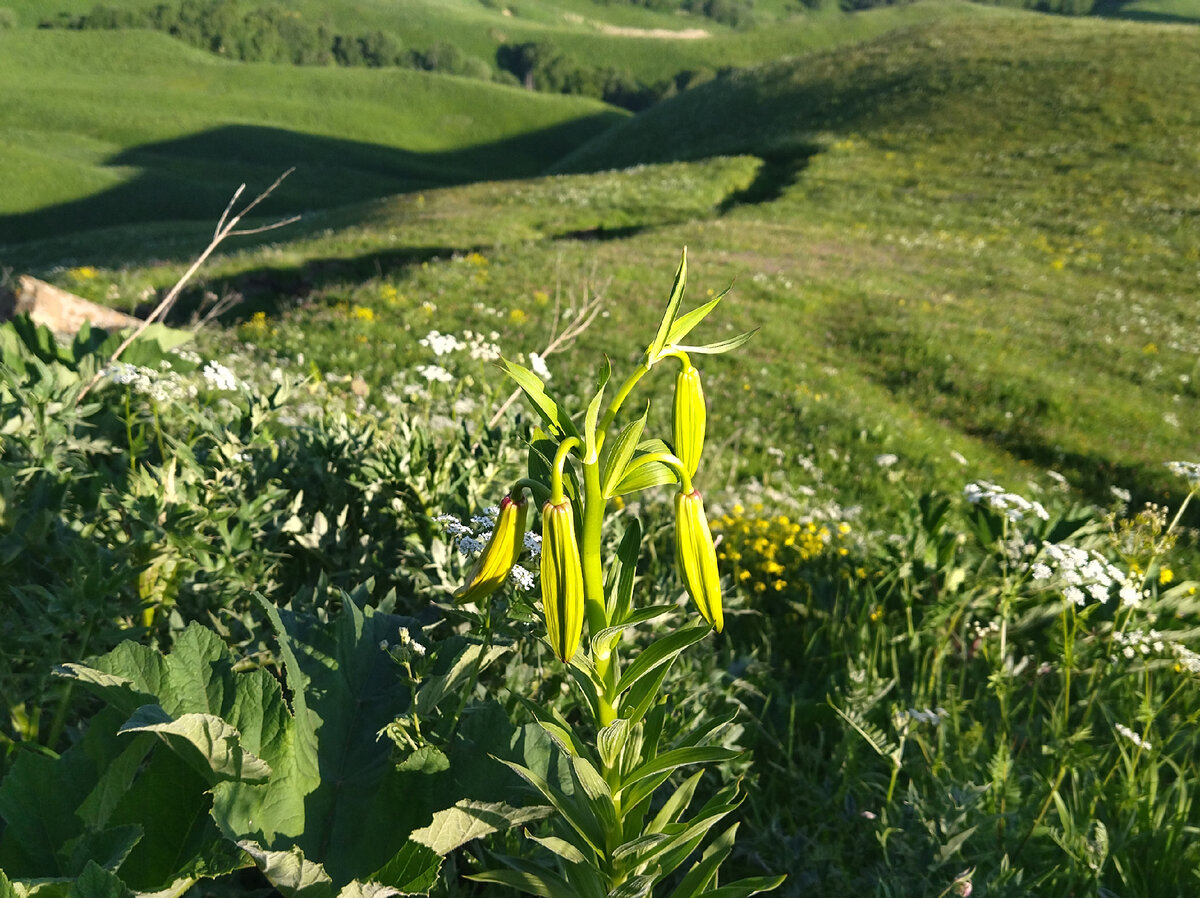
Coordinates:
(723, 803)
(610, 741)
(532, 386)
(674, 807)
(643, 471)
(616, 456)
(704, 871)
(684, 324)
(554, 844)
(603, 642)
(580, 820)
(618, 590)
(529, 877)
(743, 888)
(592, 440)
(659, 653)
(634, 887)
(664, 328)
(720, 346)
(673, 760)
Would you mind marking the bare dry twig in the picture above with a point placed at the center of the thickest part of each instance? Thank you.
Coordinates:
(592, 306)
(226, 227)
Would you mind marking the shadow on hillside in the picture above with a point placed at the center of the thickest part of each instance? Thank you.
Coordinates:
(776, 174)
(1118, 11)
(191, 178)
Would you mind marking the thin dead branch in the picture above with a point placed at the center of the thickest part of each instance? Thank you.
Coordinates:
(591, 308)
(226, 227)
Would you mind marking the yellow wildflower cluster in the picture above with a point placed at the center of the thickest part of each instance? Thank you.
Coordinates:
(364, 313)
(84, 273)
(763, 552)
(256, 326)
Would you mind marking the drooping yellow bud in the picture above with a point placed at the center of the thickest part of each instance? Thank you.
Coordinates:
(496, 561)
(696, 557)
(562, 579)
(689, 418)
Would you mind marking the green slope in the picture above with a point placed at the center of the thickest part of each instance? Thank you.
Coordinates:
(119, 127)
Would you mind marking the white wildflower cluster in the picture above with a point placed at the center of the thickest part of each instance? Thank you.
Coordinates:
(1012, 506)
(435, 373)
(931, 716)
(218, 377)
(1132, 736)
(1186, 658)
(1188, 470)
(1139, 643)
(472, 538)
(481, 348)
(886, 459)
(538, 365)
(980, 631)
(442, 344)
(163, 385)
(1083, 574)
(409, 643)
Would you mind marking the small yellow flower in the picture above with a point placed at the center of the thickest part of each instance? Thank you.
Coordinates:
(364, 313)
(518, 316)
(1165, 576)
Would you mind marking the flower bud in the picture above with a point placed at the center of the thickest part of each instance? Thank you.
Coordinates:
(689, 418)
(696, 557)
(562, 579)
(496, 561)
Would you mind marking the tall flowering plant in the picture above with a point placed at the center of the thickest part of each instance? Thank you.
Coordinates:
(615, 834)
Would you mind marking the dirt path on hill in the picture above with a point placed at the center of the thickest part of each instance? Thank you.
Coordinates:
(688, 34)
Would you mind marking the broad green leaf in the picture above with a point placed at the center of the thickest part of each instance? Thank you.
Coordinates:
(720, 346)
(590, 437)
(96, 882)
(616, 455)
(685, 323)
(532, 386)
(217, 745)
(668, 319)
(470, 820)
(660, 652)
(723, 803)
(290, 871)
(413, 871)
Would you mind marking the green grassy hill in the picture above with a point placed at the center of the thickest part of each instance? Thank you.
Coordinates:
(970, 238)
(114, 127)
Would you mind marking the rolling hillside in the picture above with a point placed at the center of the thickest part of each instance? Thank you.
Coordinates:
(115, 127)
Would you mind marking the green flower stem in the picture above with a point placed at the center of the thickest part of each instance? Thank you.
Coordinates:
(560, 459)
(593, 586)
(622, 394)
(540, 493)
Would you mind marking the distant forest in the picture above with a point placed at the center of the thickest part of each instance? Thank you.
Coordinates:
(271, 33)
